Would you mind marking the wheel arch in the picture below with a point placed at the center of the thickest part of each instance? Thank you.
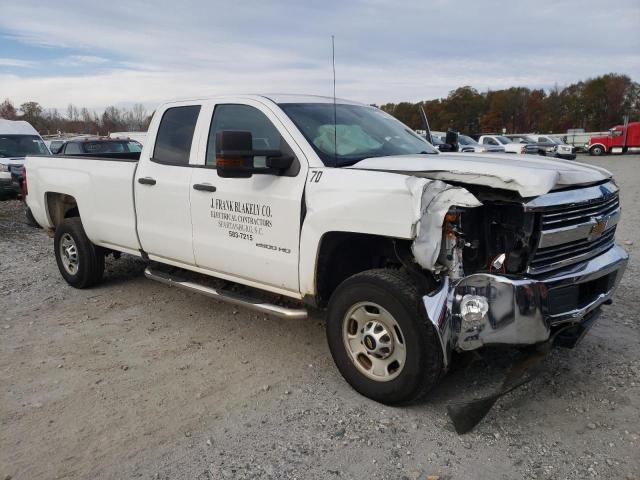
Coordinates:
(598, 145)
(342, 254)
(60, 206)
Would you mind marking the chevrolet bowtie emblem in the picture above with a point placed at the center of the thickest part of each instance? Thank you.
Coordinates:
(600, 226)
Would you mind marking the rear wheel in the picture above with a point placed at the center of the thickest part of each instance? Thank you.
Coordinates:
(597, 150)
(380, 337)
(80, 262)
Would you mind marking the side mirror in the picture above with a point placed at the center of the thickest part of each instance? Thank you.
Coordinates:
(235, 156)
(452, 139)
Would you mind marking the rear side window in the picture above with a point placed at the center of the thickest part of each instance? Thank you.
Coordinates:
(175, 134)
(73, 148)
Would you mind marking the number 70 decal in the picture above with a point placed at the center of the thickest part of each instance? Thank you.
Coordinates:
(315, 176)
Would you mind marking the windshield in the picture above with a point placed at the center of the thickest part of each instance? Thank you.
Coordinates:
(503, 140)
(361, 132)
(464, 140)
(22, 145)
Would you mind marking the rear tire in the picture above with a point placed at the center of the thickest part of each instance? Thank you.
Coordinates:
(381, 301)
(80, 262)
(597, 151)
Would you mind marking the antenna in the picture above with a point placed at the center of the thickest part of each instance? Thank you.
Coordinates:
(425, 123)
(335, 122)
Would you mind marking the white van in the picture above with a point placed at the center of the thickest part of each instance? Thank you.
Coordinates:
(17, 140)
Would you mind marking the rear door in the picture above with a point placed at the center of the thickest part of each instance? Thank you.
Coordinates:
(162, 186)
(248, 228)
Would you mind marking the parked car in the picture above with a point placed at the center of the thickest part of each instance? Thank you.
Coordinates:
(620, 139)
(544, 145)
(468, 144)
(438, 143)
(54, 144)
(501, 141)
(137, 136)
(562, 149)
(17, 140)
(414, 254)
(99, 146)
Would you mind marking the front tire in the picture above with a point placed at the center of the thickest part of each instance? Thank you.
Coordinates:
(597, 151)
(380, 337)
(80, 262)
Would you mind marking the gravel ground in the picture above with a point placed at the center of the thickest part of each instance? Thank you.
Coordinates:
(133, 379)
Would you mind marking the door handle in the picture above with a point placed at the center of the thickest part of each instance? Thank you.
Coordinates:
(204, 187)
(147, 181)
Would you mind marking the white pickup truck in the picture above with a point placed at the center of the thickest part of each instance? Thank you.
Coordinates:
(414, 254)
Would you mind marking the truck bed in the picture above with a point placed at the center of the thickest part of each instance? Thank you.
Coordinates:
(103, 189)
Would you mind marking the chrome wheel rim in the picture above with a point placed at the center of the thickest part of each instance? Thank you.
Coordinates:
(374, 341)
(69, 254)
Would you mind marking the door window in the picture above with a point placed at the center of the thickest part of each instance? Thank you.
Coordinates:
(175, 134)
(248, 119)
(73, 148)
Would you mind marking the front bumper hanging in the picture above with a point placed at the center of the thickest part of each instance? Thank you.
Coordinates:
(521, 310)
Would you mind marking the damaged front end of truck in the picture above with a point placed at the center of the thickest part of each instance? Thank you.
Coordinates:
(513, 271)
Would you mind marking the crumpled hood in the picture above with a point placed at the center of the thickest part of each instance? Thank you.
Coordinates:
(529, 175)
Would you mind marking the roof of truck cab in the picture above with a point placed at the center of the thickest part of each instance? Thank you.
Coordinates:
(280, 98)
(16, 127)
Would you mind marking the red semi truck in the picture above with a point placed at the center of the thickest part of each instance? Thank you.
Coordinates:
(621, 139)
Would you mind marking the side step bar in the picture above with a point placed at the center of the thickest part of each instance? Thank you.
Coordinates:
(230, 297)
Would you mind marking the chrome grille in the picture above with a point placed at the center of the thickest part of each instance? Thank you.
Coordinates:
(567, 216)
(575, 231)
(550, 258)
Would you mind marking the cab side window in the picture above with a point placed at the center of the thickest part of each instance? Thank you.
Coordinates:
(175, 135)
(73, 148)
(248, 119)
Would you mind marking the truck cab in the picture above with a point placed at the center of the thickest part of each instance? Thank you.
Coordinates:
(620, 139)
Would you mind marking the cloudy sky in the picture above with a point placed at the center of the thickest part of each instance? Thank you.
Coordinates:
(123, 52)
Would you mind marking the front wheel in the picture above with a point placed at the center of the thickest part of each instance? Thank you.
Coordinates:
(380, 337)
(80, 262)
(597, 150)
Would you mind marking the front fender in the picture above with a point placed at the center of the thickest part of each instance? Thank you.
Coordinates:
(349, 200)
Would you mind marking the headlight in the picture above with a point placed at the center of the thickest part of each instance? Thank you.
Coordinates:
(4, 168)
(473, 309)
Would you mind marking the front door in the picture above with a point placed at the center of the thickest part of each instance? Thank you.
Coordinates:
(249, 228)
(162, 187)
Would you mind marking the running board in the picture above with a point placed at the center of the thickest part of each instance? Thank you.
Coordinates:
(230, 297)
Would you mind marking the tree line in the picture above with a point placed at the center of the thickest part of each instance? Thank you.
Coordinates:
(78, 120)
(595, 104)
